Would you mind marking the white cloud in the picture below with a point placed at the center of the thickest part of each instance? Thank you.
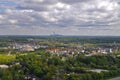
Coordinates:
(63, 16)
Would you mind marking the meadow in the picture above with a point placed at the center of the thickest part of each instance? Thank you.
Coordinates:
(5, 58)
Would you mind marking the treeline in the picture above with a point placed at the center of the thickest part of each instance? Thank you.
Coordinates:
(94, 40)
(66, 39)
(83, 39)
(45, 67)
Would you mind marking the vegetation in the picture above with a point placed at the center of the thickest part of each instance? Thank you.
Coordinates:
(44, 65)
(5, 58)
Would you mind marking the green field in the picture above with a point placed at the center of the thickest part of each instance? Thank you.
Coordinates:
(4, 58)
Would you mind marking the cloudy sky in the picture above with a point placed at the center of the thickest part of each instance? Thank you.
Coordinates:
(66, 17)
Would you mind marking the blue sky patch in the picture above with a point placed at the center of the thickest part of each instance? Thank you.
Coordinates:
(8, 3)
(1, 9)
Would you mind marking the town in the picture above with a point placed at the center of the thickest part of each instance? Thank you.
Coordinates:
(60, 47)
(70, 56)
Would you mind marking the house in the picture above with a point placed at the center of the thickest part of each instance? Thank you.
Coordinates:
(4, 66)
(28, 48)
(105, 50)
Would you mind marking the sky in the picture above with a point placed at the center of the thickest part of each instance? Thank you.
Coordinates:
(65, 17)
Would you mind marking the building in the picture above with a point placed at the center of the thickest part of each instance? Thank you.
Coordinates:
(4, 66)
(28, 48)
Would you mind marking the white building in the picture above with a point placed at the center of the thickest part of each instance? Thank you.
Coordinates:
(4, 66)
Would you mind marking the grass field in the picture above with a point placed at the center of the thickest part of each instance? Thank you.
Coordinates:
(4, 58)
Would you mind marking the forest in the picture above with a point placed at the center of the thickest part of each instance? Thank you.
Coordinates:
(48, 67)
